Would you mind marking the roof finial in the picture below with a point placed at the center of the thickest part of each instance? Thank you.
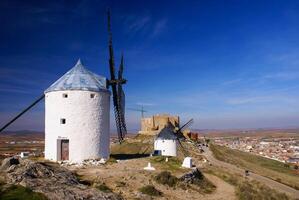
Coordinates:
(79, 62)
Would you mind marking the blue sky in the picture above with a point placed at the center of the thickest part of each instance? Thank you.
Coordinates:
(227, 64)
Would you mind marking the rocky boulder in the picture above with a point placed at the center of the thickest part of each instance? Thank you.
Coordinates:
(8, 162)
(193, 177)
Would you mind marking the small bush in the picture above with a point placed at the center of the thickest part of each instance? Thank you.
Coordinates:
(165, 178)
(150, 190)
(198, 177)
(16, 192)
(197, 181)
(111, 160)
(103, 187)
(120, 184)
(2, 181)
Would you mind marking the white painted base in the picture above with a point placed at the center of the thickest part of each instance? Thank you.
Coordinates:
(149, 167)
(187, 163)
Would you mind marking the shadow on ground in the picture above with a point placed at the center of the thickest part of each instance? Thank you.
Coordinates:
(128, 156)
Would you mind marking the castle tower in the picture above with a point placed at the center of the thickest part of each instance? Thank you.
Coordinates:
(77, 109)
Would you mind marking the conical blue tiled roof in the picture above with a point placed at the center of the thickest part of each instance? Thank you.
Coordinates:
(79, 78)
(166, 134)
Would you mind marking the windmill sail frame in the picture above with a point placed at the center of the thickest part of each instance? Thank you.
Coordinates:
(116, 86)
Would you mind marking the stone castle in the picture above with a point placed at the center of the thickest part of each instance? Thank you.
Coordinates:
(153, 125)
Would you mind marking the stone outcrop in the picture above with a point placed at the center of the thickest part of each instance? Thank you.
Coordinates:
(8, 162)
(193, 177)
(54, 181)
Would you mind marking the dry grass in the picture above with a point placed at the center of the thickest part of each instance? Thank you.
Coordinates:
(173, 164)
(260, 165)
(245, 189)
(150, 190)
(131, 148)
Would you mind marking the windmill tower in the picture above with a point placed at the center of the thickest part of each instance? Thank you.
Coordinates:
(77, 110)
(166, 142)
(168, 139)
(80, 101)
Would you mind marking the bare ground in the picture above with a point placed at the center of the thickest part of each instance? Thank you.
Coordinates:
(126, 177)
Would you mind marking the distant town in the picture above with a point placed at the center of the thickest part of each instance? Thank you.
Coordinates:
(283, 149)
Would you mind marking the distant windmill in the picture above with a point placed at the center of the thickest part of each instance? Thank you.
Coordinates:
(169, 138)
(139, 110)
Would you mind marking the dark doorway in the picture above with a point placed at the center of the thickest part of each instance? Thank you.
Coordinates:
(64, 149)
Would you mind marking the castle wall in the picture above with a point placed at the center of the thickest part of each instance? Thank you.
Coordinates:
(153, 125)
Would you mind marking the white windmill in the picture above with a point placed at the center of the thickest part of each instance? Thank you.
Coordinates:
(168, 139)
(77, 112)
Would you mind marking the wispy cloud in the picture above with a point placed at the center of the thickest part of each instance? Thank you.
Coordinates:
(14, 89)
(145, 104)
(159, 27)
(232, 82)
(284, 76)
(145, 24)
(247, 100)
(136, 24)
(23, 82)
(260, 99)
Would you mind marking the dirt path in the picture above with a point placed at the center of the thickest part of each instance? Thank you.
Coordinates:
(223, 191)
(267, 181)
(128, 176)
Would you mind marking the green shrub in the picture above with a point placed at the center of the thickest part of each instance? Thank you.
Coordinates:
(150, 190)
(165, 178)
(16, 192)
(103, 187)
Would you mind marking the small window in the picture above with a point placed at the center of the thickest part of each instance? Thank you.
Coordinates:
(62, 121)
(64, 95)
(92, 95)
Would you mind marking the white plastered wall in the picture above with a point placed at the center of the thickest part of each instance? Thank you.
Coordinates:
(167, 147)
(87, 124)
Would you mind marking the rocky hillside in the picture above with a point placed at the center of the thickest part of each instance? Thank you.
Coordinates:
(53, 181)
